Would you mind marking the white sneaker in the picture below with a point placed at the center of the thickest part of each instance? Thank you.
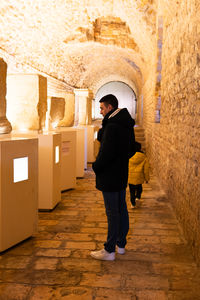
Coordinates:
(103, 255)
(133, 206)
(121, 250)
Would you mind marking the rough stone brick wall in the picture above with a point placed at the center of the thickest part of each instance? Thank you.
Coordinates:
(148, 113)
(175, 142)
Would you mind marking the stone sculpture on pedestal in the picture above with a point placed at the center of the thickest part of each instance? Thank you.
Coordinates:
(5, 126)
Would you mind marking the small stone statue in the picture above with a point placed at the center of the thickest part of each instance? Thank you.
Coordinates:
(5, 126)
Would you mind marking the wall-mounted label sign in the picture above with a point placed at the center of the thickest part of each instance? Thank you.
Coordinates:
(20, 166)
(66, 147)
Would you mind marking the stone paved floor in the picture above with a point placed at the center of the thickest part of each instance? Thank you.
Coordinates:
(56, 263)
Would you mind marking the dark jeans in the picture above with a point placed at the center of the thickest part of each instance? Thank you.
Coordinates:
(118, 219)
(135, 192)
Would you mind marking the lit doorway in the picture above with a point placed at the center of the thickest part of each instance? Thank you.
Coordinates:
(122, 92)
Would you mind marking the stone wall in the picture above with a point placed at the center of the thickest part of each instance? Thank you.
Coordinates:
(109, 36)
(174, 147)
(147, 114)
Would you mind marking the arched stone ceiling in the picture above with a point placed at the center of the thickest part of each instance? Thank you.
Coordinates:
(81, 41)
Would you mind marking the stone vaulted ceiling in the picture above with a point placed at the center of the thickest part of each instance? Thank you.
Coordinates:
(81, 42)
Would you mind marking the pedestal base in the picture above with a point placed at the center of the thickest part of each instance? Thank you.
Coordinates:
(49, 170)
(18, 190)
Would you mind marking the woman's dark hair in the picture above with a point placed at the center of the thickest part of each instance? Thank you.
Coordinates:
(110, 99)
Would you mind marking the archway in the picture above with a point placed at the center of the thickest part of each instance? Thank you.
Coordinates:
(125, 95)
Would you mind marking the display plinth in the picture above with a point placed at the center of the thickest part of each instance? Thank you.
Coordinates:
(96, 142)
(49, 170)
(68, 158)
(90, 143)
(81, 151)
(18, 190)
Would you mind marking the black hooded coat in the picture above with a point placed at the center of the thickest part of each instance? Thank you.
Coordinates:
(117, 146)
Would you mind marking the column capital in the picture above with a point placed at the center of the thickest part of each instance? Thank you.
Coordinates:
(82, 92)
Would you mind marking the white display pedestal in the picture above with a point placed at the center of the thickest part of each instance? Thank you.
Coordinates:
(49, 170)
(18, 190)
(90, 143)
(81, 151)
(68, 158)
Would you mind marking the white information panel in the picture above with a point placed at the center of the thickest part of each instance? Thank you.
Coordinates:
(57, 156)
(20, 169)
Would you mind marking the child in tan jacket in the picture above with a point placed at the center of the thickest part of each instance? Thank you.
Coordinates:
(138, 173)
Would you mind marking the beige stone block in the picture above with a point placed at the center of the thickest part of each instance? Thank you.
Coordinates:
(144, 239)
(83, 265)
(124, 267)
(68, 119)
(15, 262)
(47, 244)
(81, 253)
(45, 263)
(68, 213)
(48, 222)
(147, 282)
(26, 101)
(171, 240)
(143, 232)
(151, 295)
(59, 293)
(54, 252)
(14, 291)
(106, 281)
(73, 236)
(93, 218)
(101, 237)
(92, 230)
(113, 294)
(184, 284)
(80, 245)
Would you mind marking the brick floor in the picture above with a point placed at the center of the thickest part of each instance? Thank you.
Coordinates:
(56, 264)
